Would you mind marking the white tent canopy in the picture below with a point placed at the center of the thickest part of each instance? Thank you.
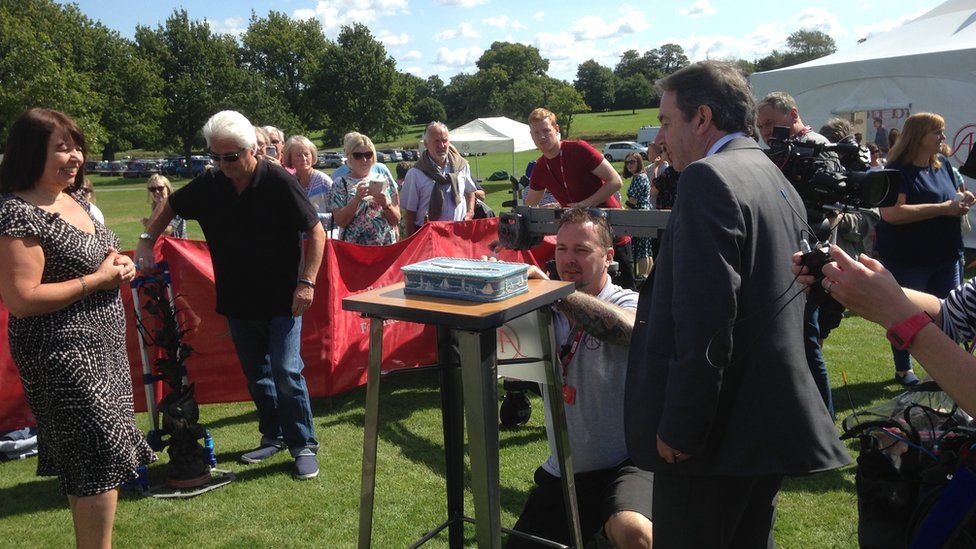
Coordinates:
(925, 65)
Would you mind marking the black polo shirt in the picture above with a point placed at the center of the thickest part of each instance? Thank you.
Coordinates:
(254, 237)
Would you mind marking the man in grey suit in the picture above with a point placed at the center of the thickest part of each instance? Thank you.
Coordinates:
(720, 403)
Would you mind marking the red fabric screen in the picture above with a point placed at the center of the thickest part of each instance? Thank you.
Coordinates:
(335, 343)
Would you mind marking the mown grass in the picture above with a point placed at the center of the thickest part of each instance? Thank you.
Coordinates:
(264, 507)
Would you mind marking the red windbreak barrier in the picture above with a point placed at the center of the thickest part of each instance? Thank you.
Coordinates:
(335, 343)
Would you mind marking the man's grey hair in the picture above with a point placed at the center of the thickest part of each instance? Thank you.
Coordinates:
(274, 132)
(435, 124)
(230, 125)
(780, 101)
(836, 129)
(717, 85)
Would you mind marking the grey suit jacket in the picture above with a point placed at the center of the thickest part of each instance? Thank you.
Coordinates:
(717, 366)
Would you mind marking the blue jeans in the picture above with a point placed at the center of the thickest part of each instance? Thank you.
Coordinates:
(938, 280)
(269, 353)
(815, 358)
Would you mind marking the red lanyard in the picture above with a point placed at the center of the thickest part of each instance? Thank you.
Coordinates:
(569, 392)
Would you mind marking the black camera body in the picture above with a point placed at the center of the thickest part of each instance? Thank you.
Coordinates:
(819, 177)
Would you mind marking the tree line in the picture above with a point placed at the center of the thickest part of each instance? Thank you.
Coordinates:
(156, 90)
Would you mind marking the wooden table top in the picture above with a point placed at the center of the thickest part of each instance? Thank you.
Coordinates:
(390, 302)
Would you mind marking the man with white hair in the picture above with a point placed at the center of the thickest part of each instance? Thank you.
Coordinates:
(439, 187)
(276, 139)
(251, 209)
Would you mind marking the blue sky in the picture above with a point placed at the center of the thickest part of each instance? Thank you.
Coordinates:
(446, 37)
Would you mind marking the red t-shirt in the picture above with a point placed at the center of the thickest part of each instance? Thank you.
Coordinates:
(569, 176)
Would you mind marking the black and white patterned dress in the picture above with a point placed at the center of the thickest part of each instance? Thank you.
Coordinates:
(73, 361)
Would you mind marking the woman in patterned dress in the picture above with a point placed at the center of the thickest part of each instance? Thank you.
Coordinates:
(59, 277)
(367, 209)
(639, 198)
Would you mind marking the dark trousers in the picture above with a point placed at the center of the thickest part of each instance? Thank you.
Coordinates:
(715, 512)
(623, 254)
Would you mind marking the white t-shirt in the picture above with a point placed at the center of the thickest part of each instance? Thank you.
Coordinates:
(598, 372)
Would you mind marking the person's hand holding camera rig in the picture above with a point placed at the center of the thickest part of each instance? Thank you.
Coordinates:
(914, 320)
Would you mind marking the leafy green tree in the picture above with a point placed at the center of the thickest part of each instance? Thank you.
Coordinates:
(672, 57)
(359, 88)
(201, 76)
(805, 45)
(632, 63)
(521, 97)
(565, 101)
(635, 92)
(517, 60)
(428, 110)
(53, 56)
(284, 53)
(456, 96)
(596, 84)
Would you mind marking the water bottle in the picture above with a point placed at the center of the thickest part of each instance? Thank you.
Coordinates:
(208, 445)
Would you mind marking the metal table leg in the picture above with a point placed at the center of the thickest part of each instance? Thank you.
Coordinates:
(368, 483)
(479, 379)
(558, 413)
(452, 418)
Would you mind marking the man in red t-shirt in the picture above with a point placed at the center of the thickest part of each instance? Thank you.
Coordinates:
(577, 175)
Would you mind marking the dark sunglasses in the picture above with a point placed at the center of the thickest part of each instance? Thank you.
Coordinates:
(229, 157)
(156, 189)
(362, 155)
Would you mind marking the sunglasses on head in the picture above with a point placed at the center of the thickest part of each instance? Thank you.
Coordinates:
(362, 155)
(229, 157)
(156, 189)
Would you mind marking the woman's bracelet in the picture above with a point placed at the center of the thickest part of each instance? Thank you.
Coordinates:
(306, 282)
(84, 287)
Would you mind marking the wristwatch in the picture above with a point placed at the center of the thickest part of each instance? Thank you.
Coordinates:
(901, 335)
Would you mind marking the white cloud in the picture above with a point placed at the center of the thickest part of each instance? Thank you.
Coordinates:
(462, 3)
(336, 13)
(416, 71)
(539, 15)
(698, 9)
(459, 57)
(412, 54)
(565, 54)
(821, 20)
(500, 21)
(516, 24)
(867, 31)
(231, 25)
(390, 40)
(463, 30)
(592, 27)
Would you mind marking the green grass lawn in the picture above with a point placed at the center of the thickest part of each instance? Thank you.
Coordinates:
(264, 507)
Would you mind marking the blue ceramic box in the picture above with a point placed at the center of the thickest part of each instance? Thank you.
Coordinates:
(466, 279)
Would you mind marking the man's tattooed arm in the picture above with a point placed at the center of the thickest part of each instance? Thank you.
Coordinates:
(598, 318)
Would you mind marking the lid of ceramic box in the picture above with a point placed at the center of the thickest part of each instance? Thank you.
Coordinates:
(467, 268)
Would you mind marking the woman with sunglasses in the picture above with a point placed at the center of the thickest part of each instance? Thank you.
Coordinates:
(366, 207)
(159, 189)
(639, 198)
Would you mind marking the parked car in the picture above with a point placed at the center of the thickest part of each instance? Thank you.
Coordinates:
(619, 150)
(171, 166)
(196, 166)
(383, 157)
(141, 168)
(330, 160)
(414, 154)
(91, 167)
(115, 168)
(393, 154)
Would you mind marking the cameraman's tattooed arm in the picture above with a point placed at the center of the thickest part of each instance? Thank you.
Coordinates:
(598, 318)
